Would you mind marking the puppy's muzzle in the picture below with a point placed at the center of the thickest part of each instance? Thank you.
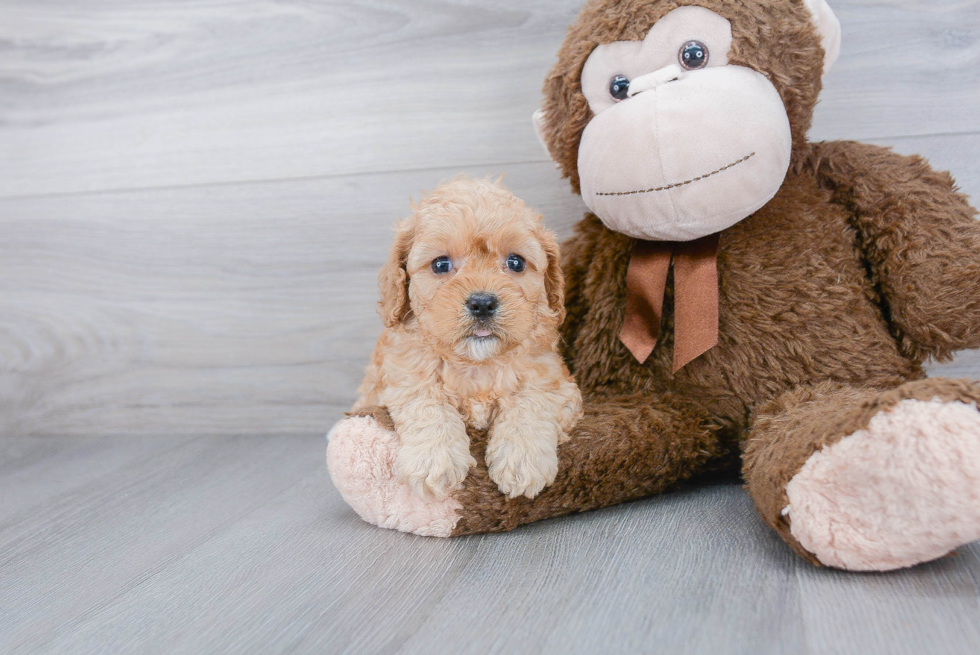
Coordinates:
(482, 305)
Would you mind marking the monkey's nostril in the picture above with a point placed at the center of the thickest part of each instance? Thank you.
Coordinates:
(482, 305)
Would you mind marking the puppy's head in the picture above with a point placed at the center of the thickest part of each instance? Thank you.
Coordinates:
(476, 269)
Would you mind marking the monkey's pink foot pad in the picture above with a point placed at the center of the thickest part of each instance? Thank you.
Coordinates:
(360, 459)
(903, 491)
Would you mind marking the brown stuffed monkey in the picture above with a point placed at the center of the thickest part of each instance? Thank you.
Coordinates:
(738, 298)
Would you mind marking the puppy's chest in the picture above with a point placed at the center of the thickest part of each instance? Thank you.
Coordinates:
(476, 393)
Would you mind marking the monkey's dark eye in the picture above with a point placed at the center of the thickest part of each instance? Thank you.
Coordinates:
(442, 265)
(693, 55)
(515, 263)
(619, 87)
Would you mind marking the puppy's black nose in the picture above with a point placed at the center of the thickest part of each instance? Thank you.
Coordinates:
(482, 305)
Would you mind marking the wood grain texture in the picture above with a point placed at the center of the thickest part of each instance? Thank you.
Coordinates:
(239, 545)
(157, 93)
(124, 95)
(224, 309)
(194, 202)
(907, 68)
(195, 199)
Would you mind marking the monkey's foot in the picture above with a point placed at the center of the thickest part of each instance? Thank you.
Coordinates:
(360, 458)
(903, 491)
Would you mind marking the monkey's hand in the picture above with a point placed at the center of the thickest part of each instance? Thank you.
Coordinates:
(920, 239)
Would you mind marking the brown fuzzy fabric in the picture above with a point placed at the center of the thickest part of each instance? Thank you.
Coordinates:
(379, 414)
(808, 351)
(831, 297)
(920, 239)
(626, 447)
(795, 302)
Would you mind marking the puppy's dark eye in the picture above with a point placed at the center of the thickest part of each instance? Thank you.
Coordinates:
(515, 263)
(442, 265)
(693, 55)
(619, 87)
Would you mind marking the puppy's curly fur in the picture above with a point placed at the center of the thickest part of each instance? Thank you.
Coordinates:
(442, 363)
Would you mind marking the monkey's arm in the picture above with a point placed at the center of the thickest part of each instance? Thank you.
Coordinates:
(920, 238)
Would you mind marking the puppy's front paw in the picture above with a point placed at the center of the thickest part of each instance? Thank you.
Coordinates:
(434, 468)
(523, 460)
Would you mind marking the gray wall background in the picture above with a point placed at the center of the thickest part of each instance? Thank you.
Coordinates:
(195, 198)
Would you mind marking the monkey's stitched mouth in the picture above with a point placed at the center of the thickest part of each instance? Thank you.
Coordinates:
(677, 184)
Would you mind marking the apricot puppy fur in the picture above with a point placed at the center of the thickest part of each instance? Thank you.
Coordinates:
(472, 298)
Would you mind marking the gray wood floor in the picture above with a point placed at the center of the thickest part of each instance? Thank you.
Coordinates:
(194, 202)
(234, 544)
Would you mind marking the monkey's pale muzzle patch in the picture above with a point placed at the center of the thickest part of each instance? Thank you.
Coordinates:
(689, 156)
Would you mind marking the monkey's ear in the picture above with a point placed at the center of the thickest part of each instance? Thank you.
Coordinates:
(393, 279)
(829, 28)
(540, 128)
(554, 279)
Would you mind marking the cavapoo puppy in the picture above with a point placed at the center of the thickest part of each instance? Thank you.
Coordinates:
(472, 298)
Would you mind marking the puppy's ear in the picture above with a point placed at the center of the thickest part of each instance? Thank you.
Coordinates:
(393, 279)
(554, 279)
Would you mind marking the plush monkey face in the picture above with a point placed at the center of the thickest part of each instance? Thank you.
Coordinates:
(683, 132)
(683, 144)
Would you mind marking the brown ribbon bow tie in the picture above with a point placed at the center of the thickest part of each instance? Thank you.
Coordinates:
(695, 297)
